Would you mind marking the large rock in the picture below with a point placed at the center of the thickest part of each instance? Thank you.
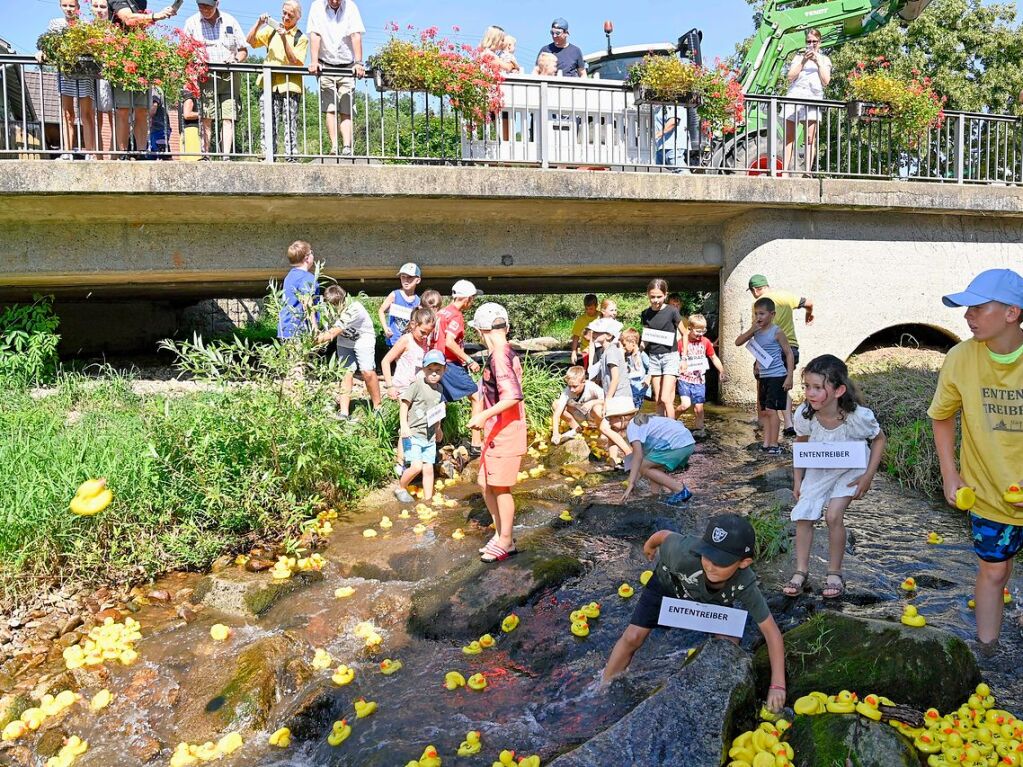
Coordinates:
(688, 722)
(850, 741)
(920, 667)
(570, 451)
(239, 592)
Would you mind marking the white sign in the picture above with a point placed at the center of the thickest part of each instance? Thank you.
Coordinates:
(436, 414)
(829, 455)
(663, 337)
(400, 312)
(698, 365)
(759, 354)
(696, 616)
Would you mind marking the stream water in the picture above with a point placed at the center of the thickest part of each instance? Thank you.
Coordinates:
(541, 695)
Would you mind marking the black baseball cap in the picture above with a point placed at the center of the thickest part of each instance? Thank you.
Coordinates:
(728, 539)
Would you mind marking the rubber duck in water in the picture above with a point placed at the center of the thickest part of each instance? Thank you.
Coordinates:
(364, 708)
(343, 675)
(471, 745)
(934, 539)
(908, 585)
(476, 682)
(591, 611)
(487, 641)
(966, 498)
(339, 732)
(473, 648)
(281, 738)
(388, 666)
(453, 680)
(911, 617)
(581, 628)
(566, 516)
(322, 659)
(625, 591)
(1013, 494)
(843, 703)
(510, 623)
(868, 707)
(344, 592)
(92, 497)
(645, 576)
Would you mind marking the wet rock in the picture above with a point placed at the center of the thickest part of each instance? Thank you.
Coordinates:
(687, 722)
(849, 739)
(473, 598)
(571, 451)
(920, 667)
(240, 593)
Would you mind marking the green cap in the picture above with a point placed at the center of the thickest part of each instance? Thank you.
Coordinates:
(758, 281)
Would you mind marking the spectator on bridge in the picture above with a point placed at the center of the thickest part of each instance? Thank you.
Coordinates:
(75, 92)
(785, 304)
(546, 65)
(808, 75)
(570, 58)
(104, 93)
(131, 108)
(222, 35)
(335, 34)
(285, 47)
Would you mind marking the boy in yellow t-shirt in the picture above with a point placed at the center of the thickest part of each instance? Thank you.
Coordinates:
(982, 379)
(581, 344)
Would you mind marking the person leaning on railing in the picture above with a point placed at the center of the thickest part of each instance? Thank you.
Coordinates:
(808, 75)
(335, 40)
(130, 14)
(285, 46)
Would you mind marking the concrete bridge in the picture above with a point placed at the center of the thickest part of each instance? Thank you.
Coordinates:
(128, 243)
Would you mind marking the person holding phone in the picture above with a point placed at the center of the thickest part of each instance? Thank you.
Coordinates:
(808, 75)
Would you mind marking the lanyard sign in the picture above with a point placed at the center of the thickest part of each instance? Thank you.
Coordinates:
(663, 337)
(829, 455)
(399, 312)
(436, 414)
(696, 616)
(759, 354)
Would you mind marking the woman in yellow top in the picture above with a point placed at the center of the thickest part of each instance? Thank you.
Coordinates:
(982, 379)
(285, 47)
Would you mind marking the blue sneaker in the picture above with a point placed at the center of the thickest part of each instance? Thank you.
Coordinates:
(681, 497)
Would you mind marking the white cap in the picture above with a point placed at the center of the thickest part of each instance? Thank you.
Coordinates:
(412, 270)
(464, 289)
(488, 315)
(605, 325)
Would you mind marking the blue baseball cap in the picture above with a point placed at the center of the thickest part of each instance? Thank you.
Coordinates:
(1002, 285)
(434, 357)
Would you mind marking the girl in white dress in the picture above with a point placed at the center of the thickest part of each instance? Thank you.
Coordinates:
(831, 413)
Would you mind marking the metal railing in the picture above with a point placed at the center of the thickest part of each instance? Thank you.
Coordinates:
(284, 114)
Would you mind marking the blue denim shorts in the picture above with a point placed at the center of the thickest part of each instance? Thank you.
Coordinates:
(995, 541)
(695, 393)
(418, 448)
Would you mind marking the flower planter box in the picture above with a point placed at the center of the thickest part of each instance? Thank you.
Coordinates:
(644, 96)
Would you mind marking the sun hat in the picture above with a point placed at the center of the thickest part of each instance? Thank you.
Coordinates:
(490, 315)
(464, 289)
(1003, 285)
(727, 539)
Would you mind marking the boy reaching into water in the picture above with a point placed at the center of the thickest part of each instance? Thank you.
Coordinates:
(981, 379)
(714, 570)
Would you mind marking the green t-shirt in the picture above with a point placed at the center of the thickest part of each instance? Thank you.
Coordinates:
(679, 572)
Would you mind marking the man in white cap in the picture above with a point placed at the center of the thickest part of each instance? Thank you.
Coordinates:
(449, 332)
(982, 380)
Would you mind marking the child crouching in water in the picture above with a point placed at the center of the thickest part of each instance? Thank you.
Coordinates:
(659, 445)
(832, 413)
(420, 417)
(714, 570)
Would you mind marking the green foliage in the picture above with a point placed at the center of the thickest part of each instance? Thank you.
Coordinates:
(28, 342)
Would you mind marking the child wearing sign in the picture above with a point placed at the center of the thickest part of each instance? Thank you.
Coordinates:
(698, 353)
(422, 410)
(832, 413)
(356, 347)
(659, 445)
(713, 570)
(770, 346)
(662, 325)
(396, 310)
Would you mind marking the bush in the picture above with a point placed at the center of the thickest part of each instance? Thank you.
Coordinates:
(28, 343)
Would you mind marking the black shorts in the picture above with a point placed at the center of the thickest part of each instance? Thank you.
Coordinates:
(648, 609)
(770, 393)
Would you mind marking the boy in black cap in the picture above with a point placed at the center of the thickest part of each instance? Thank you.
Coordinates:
(712, 570)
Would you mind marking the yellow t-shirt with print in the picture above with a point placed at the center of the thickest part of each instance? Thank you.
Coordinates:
(579, 327)
(990, 396)
(784, 303)
(275, 56)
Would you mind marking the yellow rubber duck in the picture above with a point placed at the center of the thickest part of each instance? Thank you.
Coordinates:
(388, 666)
(580, 628)
(645, 576)
(344, 592)
(322, 659)
(100, 700)
(471, 745)
(1013, 494)
(219, 632)
(385, 523)
(419, 529)
(281, 738)
(566, 516)
(453, 680)
(339, 732)
(92, 497)
(843, 703)
(487, 641)
(908, 585)
(911, 617)
(935, 539)
(591, 611)
(868, 707)
(966, 498)
(476, 682)
(625, 591)
(510, 623)
(364, 708)
(458, 534)
(343, 675)
(473, 648)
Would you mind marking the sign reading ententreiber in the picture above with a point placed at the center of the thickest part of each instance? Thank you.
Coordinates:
(829, 455)
(696, 616)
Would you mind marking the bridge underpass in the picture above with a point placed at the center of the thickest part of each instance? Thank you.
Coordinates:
(125, 245)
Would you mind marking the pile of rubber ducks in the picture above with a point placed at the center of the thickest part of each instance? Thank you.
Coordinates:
(110, 641)
(186, 754)
(283, 568)
(31, 719)
(580, 619)
(73, 748)
(762, 746)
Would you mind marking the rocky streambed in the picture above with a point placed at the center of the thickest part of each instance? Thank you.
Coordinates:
(426, 596)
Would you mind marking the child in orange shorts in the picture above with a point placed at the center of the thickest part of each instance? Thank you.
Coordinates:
(503, 420)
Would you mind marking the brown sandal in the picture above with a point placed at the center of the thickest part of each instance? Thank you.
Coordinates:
(793, 589)
(838, 589)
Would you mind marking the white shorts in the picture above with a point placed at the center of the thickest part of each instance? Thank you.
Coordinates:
(362, 357)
